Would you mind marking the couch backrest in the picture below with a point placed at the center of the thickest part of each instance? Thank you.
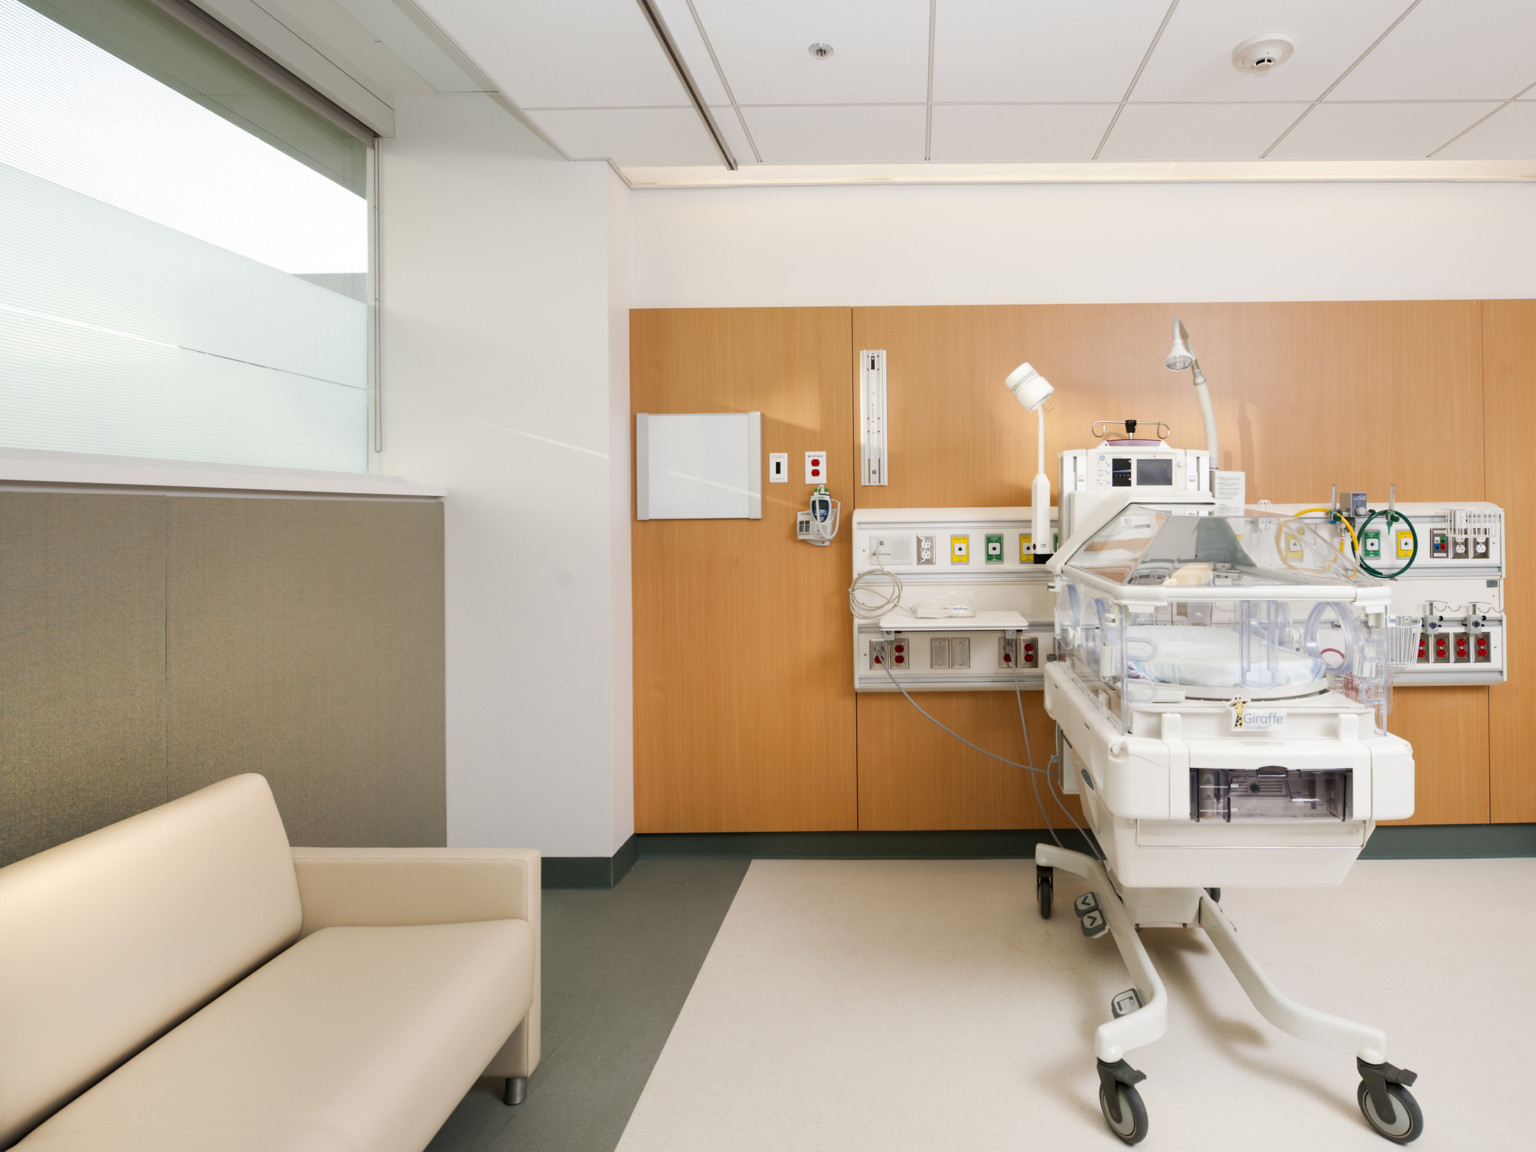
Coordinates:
(108, 940)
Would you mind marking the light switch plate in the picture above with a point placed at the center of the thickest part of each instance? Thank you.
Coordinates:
(815, 467)
(778, 467)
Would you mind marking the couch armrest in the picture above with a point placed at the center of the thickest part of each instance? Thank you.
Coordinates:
(380, 887)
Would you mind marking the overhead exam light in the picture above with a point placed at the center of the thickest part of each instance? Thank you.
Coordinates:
(1032, 390)
(1181, 357)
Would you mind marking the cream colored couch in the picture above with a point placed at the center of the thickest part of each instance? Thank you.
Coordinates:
(183, 981)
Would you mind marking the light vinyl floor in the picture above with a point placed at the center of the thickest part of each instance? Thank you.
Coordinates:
(924, 1005)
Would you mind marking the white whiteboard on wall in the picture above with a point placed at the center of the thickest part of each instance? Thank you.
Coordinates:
(699, 466)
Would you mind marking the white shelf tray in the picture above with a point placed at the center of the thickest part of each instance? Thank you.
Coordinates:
(903, 621)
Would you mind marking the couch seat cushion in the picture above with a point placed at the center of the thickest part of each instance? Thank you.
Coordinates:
(353, 1040)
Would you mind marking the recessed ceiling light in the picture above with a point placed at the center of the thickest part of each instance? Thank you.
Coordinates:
(1262, 54)
(821, 51)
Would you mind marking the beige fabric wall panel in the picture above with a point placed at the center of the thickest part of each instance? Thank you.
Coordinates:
(82, 664)
(305, 642)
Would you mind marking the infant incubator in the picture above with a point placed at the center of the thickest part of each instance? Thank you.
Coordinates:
(1220, 689)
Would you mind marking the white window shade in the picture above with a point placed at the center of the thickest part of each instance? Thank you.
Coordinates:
(122, 336)
(171, 284)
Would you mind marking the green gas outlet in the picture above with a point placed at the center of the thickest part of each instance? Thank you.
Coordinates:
(994, 549)
(1370, 545)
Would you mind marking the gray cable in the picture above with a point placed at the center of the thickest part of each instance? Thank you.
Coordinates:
(956, 735)
(1029, 754)
(1049, 780)
(1093, 847)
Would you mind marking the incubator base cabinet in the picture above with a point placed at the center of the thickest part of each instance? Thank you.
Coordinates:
(1220, 689)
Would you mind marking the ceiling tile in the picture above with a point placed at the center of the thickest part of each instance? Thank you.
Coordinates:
(867, 134)
(880, 51)
(1451, 50)
(630, 136)
(1018, 133)
(1002, 51)
(1509, 134)
(735, 135)
(574, 54)
(1399, 131)
(407, 32)
(685, 33)
(1197, 131)
(1193, 60)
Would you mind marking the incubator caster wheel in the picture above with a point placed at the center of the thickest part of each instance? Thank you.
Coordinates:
(1386, 1103)
(1131, 1124)
(1121, 1104)
(1045, 888)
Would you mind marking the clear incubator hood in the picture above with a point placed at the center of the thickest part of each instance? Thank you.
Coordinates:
(1163, 604)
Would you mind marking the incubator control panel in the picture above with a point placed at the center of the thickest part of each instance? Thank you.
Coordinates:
(975, 610)
(1149, 468)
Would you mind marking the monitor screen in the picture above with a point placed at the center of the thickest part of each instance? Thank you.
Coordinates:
(1154, 473)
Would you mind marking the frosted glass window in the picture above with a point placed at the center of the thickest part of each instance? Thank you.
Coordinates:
(181, 276)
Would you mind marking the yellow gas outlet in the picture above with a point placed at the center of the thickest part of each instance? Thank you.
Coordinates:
(959, 549)
(1025, 555)
(1404, 545)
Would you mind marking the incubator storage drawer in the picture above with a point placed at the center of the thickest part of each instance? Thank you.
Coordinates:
(1271, 792)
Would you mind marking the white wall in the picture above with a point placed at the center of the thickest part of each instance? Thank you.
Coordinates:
(1025, 244)
(621, 621)
(506, 379)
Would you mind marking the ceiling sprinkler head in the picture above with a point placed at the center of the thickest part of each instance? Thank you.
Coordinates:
(821, 51)
(1262, 54)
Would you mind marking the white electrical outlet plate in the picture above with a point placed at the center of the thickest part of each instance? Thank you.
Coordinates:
(778, 467)
(815, 467)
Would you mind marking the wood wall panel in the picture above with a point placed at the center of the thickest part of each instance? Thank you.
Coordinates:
(1509, 350)
(744, 703)
(1361, 394)
(1306, 394)
(918, 776)
(1448, 728)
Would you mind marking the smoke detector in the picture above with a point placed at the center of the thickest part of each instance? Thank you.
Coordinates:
(1263, 54)
(821, 51)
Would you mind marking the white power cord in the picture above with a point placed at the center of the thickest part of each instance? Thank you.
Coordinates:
(870, 610)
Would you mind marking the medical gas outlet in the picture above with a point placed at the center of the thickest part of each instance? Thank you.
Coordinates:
(1444, 565)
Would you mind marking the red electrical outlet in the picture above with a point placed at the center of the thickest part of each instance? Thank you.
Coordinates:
(1484, 650)
(1442, 647)
(1463, 650)
(815, 467)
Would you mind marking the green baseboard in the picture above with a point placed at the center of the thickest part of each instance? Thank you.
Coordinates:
(1450, 842)
(1398, 842)
(591, 871)
(965, 845)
